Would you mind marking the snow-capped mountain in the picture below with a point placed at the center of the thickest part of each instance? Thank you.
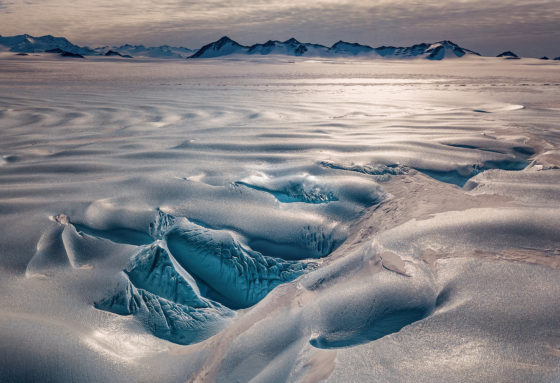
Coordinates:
(402, 52)
(343, 48)
(508, 55)
(292, 47)
(29, 44)
(223, 47)
(62, 53)
(116, 54)
(435, 51)
(446, 49)
(164, 51)
(226, 46)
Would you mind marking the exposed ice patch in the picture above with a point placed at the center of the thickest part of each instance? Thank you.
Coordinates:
(154, 270)
(165, 298)
(180, 285)
(316, 189)
(311, 241)
(234, 274)
(164, 318)
(299, 188)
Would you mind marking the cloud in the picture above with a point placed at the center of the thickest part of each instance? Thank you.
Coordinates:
(475, 23)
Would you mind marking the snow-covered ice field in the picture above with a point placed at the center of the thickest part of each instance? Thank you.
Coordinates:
(273, 220)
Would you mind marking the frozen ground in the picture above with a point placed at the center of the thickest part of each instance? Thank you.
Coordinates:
(276, 220)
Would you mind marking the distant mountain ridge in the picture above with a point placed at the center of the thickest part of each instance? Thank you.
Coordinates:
(292, 47)
(164, 51)
(29, 44)
(222, 47)
(508, 55)
(225, 46)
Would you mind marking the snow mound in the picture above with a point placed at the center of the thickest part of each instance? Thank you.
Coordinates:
(64, 245)
(184, 286)
(166, 319)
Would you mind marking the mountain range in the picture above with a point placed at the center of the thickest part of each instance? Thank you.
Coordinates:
(225, 46)
(164, 51)
(29, 44)
(292, 47)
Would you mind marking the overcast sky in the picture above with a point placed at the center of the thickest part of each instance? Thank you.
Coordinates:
(528, 27)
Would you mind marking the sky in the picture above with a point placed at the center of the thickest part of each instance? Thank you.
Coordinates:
(528, 27)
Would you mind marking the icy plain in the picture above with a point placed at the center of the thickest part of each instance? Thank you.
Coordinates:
(279, 220)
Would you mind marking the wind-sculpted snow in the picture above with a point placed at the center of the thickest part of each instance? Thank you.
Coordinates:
(537, 187)
(460, 176)
(303, 188)
(460, 167)
(64, 245)
(175, 293)
(352, 313)
(308, 188)
(165, 298)
(161, 224)
(481, 306)
(479, 230)
(178, 323)
(236, 276)
(152, 269)
(272, 220)
(349, 302)
(380, 171)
